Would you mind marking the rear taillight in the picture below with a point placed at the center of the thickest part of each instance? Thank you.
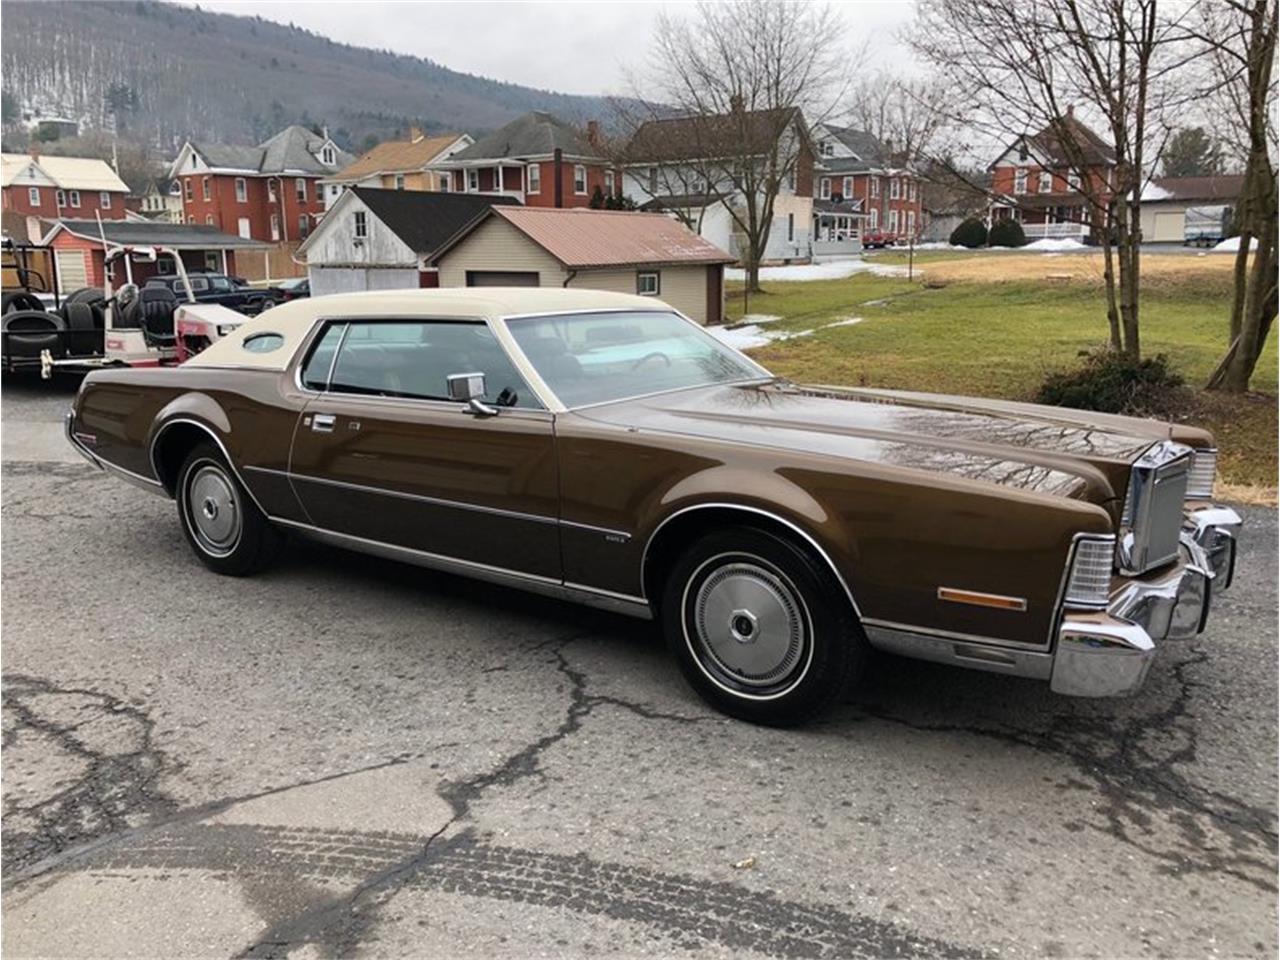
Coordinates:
(1089, 579)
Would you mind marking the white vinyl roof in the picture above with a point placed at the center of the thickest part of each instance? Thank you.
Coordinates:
(69, 173)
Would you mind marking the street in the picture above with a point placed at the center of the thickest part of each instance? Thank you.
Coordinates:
(347, 756)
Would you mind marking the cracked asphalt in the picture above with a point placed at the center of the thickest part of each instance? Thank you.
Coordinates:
(345, 757)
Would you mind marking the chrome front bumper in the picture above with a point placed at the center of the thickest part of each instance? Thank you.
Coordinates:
(1108, 653)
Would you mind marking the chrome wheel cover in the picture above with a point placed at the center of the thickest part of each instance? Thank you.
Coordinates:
(747, 626)
(213, 509)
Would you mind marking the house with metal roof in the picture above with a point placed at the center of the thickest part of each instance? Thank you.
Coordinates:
(1165, 202)
(649, 254)
(538, 159)
(376, 239)
(399, 165)
(36, 185)
(268, 192)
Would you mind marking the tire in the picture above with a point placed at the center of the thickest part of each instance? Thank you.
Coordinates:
(760, 627)
(86, 335)
(20, 300)
(28, 332)
(224, 527)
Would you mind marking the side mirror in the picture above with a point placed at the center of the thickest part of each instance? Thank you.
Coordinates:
(468, 388)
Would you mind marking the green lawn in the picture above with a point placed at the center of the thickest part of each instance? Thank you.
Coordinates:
(1001, 339)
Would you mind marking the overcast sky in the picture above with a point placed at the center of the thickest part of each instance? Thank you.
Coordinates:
(566, 47)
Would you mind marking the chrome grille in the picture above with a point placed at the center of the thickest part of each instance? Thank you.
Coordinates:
(1153, 509)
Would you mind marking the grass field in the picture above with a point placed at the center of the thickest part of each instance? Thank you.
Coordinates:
(999, 328)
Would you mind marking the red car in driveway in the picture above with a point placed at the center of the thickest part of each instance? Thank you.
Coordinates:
(877, 240)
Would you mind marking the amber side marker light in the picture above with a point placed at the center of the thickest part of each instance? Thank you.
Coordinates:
(982, 599)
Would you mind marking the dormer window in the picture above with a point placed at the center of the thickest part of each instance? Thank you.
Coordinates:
(328, 156)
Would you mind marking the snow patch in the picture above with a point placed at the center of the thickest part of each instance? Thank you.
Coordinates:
(1051, 243)
(1232, 244)
(1153, 192)
(831, 270)
(757, 318)
(748, 336)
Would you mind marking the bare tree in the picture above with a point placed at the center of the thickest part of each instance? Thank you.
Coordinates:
(909, 115)
(723, 102)
(1022, 65)
(1240, 39)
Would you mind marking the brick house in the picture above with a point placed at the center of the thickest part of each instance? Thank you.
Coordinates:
(1035, 180)
(862, 186)
(52, 187)
(681, 166)
(270, 192)
(399, 165)
(536, 158)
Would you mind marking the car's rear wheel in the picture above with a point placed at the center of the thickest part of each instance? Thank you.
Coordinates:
(760, 627)
(224, 527)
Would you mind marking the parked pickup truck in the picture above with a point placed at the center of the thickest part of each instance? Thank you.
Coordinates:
(1206, 226)
(220, 289)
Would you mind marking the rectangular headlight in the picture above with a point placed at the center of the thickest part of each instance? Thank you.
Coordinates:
(1089, 581)
(1204, 468)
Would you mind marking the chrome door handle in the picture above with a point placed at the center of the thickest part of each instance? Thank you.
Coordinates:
(323, 422)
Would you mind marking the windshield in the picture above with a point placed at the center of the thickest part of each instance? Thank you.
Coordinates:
(590, 358)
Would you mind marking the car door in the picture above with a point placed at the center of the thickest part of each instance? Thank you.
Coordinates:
(382, 454)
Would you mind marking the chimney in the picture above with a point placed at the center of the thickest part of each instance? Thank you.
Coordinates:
(558, 166)
(415, 134)
(593, 132)
(34, 150)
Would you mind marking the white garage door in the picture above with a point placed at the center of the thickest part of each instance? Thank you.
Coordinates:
(1169, 226)
(326, 280)
(73, 272)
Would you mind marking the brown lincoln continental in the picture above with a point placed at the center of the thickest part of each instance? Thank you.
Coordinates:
(602, 448)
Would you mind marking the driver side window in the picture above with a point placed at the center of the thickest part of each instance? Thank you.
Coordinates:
(413, 359)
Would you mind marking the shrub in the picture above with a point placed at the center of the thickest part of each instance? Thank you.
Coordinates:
(970, 233)
(1110, 382)
(1007, 233)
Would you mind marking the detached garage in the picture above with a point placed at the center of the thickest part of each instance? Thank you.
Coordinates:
(375, 239)
(642, 253)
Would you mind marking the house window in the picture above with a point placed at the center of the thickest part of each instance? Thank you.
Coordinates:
(875, 219)
(893, 220)
(304, 226)
(275, 226)
(1046, 181)
(911, 223)
(33, 196)
(1020, 181)
(911, 190)
(847, 188)
(1073, 181)
(791, 227)
(193, 161)
(826, 148)
(204, 187)
(875, 187)
(648, 283)
(473, 181)
(74, 197)
(59, 198)
(190, 219)
(825, 189)
(444, 181)
(300, 187)
(327, 156)
(579, 178)
(399, 181)
(208, 219)
(533, 173)
(361, 225)
(104, 200)
(271, 191)
(242, 191)
(895, 188)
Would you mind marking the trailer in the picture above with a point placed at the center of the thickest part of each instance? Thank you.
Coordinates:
(1206, 226)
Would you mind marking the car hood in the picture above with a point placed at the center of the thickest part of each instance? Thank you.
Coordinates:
(1044, 449)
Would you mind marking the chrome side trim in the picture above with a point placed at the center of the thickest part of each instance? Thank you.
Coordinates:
(128, 476)
(533, 583)
(621, 534)
(976, 656)
(434, 501)
(644, 557)
(151, 453)
(970, 638)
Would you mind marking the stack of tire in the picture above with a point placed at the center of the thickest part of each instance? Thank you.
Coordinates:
(77, 329)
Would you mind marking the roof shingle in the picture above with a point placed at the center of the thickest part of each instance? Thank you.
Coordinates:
(536, 134)
(423, 220)
(397, 156)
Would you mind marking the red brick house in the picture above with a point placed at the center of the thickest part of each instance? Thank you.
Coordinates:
(270, 192)
(857, 174)
(536, 158)
(52, 187)
(1036, 180)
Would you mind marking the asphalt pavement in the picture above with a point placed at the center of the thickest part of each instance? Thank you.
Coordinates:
(346, 757)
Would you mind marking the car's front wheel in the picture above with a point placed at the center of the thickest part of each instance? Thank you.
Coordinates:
(224, 527)
(761, 629)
